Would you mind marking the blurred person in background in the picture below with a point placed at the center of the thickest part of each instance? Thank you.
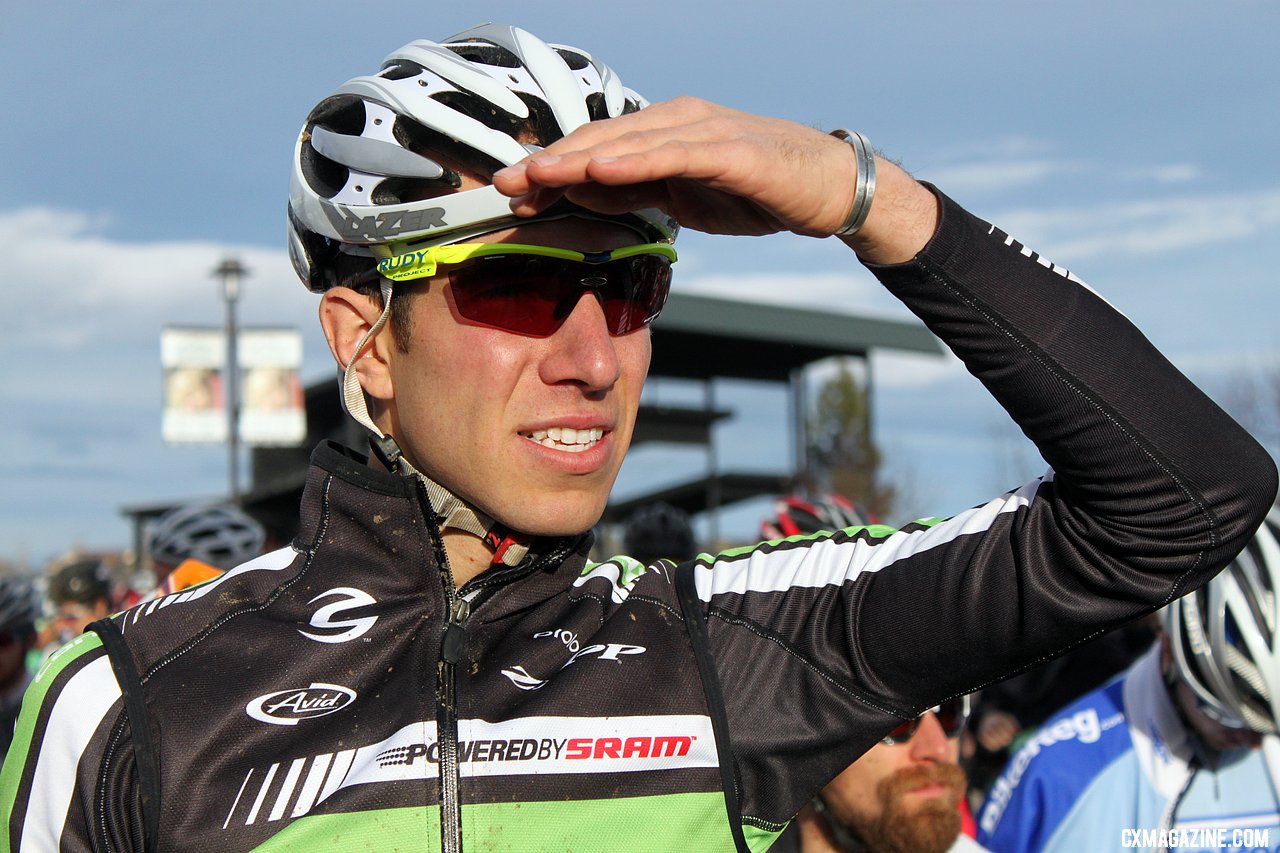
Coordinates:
(907, 793)
(1182, 748)
(904, 795)
(193, 544)
(20, 609)
(80, 593)
(659, 531)
(1008, 711)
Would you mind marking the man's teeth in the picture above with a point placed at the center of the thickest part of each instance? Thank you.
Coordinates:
(566, 438)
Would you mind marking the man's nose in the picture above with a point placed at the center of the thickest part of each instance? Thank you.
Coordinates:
(930, 742)
(582, 349)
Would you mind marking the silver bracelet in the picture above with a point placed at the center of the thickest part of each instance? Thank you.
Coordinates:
(866, 188)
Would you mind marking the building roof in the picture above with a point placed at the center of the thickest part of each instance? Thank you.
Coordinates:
(701, 337)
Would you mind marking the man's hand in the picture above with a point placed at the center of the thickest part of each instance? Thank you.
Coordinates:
(724, 172)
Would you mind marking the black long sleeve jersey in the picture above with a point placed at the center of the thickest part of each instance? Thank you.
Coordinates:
(340, 694)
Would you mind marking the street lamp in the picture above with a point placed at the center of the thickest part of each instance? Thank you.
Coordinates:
(231, 271)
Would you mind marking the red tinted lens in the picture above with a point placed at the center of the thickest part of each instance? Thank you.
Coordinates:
(903, 731)
(952, 716)
(533, 295)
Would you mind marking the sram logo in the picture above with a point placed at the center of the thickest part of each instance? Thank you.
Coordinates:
(521, 677)
(327, 618)
(287, 707)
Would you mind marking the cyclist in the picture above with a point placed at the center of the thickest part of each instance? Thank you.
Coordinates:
(907, 793)
(1179, 752)
(489, 220)
(80, 593)
(193, 544)
(902, 796)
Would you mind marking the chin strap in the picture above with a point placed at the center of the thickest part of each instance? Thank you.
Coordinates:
(508, 547)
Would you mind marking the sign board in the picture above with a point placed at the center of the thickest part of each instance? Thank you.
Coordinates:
(272, 411)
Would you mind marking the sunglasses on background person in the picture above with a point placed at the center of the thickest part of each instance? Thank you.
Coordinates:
(532, 290)
(952, 715)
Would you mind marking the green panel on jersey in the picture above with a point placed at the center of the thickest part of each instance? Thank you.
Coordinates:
(635, 824)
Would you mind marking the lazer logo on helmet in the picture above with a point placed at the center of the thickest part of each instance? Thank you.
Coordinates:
(325, 618)
(381, 225)
(287, 707)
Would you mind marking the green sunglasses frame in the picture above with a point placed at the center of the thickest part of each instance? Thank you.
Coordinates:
(423, 263)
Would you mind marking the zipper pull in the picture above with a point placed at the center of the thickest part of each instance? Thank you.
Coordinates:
(454, 633)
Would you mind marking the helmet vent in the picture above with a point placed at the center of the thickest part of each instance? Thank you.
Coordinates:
(576, 61)
(485, 54)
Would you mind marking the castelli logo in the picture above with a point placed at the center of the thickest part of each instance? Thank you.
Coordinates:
(287, 707)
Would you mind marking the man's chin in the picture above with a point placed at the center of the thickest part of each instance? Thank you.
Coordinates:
(557, 517)
(920, 811)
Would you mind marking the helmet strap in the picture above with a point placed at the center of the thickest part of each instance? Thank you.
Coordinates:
(454, 513)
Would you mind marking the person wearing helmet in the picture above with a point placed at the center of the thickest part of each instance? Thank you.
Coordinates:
(435, 663)
(1180, 752)
(193, 544)
(20, 609)
(794, 515)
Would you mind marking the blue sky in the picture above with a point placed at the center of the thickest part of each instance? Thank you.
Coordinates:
(1134, 143)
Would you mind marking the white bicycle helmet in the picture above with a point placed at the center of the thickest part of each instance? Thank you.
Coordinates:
(221, 536)
(1226, 636)
(364, 179)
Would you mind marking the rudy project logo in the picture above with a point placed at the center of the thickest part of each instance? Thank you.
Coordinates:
(287, 707)
(325, 618)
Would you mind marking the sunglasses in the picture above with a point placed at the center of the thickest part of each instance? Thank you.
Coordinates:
(532, 290)
(952, 715)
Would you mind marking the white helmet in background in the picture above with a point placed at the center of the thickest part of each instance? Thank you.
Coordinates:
(364, 179)
(1226, 636)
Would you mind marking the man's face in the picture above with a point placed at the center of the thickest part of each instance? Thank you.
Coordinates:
(903, 797)
(479, 409)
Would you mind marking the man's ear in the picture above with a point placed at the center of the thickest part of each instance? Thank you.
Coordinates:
(346, 316)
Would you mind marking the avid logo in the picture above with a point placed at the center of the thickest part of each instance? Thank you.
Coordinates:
(288, 707)
(521, 677)
(327, 618)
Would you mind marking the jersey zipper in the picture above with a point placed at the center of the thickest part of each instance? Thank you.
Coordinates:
(447, 721)
(452, 643)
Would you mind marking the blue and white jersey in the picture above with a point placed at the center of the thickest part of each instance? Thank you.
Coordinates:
(1115, 771)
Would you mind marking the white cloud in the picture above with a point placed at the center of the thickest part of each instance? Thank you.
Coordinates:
(76, 286)
(1155, 226)
(997, 176)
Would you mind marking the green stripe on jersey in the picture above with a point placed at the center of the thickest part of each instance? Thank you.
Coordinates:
(635, 824)
(32, 701)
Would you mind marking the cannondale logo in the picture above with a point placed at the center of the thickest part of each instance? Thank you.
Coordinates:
(327, 617)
